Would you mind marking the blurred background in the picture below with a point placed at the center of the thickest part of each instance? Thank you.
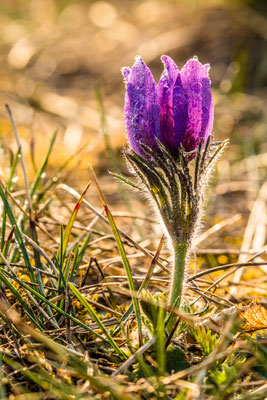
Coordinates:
(54, 53)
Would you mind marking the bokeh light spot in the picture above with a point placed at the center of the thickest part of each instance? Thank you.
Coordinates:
(102, 14)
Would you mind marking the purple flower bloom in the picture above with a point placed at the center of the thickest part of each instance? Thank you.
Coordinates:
(142, 112)
(179, 110)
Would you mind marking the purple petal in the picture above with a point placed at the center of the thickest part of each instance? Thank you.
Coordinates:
(207, 107)
(126, 72)
(165, 96)
(192, 96)
(141, 109)
(180, 112)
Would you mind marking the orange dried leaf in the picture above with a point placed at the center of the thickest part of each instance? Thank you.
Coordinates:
(254, 317)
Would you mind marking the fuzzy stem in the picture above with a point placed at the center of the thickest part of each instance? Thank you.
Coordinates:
(180, 251)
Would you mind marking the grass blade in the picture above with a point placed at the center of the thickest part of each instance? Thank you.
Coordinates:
(8, 242)
(2, 386)
(106, 221)
(77, 261)
(12, 173)
(17, 234)
(123, 255)
(125, 180)
(144, 285)
(42, 169)
(21, 157)
(13, 170)
(3, 233)
(19, 297)
(161, 341)
(38, 295)
(66, 235)
(94, 316)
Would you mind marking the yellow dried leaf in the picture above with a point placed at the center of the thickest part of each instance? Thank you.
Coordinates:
(254, 317)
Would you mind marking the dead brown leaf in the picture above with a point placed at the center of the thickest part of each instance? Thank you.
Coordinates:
(254, 317)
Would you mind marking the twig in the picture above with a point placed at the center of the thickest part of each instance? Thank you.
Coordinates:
(134, 357)
(224, 267)
(217, 227)
(222, 278)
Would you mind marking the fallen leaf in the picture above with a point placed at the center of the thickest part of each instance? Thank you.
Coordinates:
(254, 317)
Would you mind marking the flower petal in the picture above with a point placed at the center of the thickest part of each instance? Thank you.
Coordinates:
(141, 109)
(165, 96)
(180, 112)
(207, 107)
(194, 120)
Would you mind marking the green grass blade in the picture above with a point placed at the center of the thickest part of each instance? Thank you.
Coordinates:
(19, 297)
(95, 318)
(8, 242)
(3, 233)
(74, 266)
(17, 234)
(125, 180)
(9, 183)
(59, 259)
(144, 285)
(2, 386)
(67, 232)
(42, 169)
(38, 295)
(12, 173)
(41, 378)
(13, 170)
(161, 341)
(65, 275)
(62, 285)
(61, 280)
(77, 262)
(39, 267)
(55, 178)
(67, 269)
(72, 361)
(123, 256)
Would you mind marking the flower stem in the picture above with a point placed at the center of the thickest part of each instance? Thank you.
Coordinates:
(180, 252)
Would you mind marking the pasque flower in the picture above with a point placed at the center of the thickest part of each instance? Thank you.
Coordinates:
(177, 111)
(171, 151)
